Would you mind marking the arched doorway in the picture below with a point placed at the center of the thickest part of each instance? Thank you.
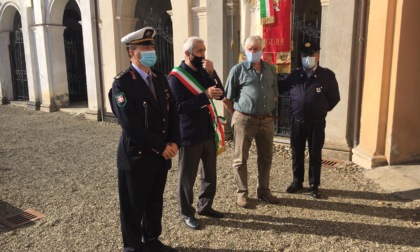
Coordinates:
(153, 13)
(75, 60)
(17, 61)
(306, 25)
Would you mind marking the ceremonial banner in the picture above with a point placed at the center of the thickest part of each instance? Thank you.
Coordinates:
(277, 37)
(267, 11)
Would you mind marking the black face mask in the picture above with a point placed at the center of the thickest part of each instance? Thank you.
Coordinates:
(196, 62)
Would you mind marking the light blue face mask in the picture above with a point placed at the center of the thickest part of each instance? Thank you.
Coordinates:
(308, 62)
(253, 57)
(148, 58)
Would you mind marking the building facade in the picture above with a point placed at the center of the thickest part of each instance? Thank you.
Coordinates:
(61, 53)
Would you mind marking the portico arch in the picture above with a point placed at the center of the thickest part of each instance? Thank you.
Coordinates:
(56, 12)
(8, 12)
(75, 60)
(135, 14)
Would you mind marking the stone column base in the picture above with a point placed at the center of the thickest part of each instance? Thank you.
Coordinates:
(48, 107)
(31, 105)
(4, 100)
(365, 160)
(93, 115)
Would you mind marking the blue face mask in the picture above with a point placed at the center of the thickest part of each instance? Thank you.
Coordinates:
(148, 58)
(308, 62)
(253, 57)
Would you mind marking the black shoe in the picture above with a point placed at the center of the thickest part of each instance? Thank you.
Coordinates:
(294, 187)
(157, 246)
(192, 222)
(268, 197)
(315, 192)
(212, 213)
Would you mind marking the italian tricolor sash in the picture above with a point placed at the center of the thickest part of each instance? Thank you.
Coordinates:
(192, 84)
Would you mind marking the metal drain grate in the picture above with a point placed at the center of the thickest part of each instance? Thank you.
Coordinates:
(16, 220)
(330, 162)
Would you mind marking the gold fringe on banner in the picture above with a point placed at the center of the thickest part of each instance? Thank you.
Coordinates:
(252, 3)
(267, 20)
(283, 69)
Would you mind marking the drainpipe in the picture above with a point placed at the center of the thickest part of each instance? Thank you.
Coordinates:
(360, 71)
(99, 48)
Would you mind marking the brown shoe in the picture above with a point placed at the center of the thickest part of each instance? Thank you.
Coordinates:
(269, 198)
(242, 201)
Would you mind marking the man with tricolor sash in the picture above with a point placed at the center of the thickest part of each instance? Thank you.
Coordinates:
(194, 85)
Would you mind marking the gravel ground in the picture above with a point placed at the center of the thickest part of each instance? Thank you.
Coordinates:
(64, 166)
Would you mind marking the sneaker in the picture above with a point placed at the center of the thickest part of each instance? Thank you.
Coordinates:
(242, 201)
(294, 187)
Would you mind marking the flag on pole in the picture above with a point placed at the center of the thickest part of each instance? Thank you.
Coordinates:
(267, 11)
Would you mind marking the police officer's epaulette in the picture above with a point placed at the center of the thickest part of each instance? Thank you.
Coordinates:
(118, 76)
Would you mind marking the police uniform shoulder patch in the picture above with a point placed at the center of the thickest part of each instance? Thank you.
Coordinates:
(118, 76)
(121, 99)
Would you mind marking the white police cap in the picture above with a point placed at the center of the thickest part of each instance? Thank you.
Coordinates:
(144, 36)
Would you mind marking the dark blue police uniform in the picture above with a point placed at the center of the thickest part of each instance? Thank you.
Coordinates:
(311, 99)
(148, 124)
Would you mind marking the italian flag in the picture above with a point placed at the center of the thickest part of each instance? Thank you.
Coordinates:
(266, 11)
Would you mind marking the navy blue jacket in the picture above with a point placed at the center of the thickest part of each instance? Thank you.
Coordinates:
(195, 119)
(311, 98)
(147, 124)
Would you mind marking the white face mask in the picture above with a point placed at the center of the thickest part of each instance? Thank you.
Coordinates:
(308, 62)
(253, 57)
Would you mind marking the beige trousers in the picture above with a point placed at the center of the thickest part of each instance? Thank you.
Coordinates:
(245, 130)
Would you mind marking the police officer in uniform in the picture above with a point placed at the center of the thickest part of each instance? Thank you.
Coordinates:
(313, 92)
(141, 100)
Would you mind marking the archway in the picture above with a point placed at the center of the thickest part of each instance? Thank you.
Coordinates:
(153, 13)
(17, 61)
(75, 61)
(306, 25)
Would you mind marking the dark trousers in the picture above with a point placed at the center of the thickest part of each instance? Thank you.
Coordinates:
(189, 161)
(141, 204)
(315, 134)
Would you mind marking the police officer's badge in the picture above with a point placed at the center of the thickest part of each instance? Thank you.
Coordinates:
(318, 89)
(120, 99)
